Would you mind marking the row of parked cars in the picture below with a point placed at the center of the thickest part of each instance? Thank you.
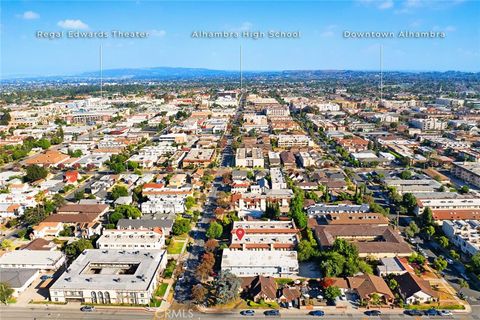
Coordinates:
(371, 313)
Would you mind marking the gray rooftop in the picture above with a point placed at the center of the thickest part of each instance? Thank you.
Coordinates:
(17, 278)
(112, 269)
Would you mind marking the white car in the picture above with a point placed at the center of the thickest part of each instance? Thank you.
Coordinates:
(445, 312)
(449, 261)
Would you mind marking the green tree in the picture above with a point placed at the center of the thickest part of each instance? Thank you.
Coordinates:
(306, 251)
(119, 191)
(79, 195)
(226, 288)
(412, 229)
(443, 241)
(181, 226)
(7, 244)
(393, 284)
(406, 175)
(476, 262)
(464, 189)
(189, 202)
(332, 293)
(35, 172)
(463, 284)
(44, 143)
(440, 264)
(33, 216)
(6, 292)
(115, 216)
(296, 209)
(426, 217)
(332, 264)
(430, 231)
(74, 249)
(215, 230)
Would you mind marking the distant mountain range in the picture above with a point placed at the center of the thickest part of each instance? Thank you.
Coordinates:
(173, 73)
(158, 73)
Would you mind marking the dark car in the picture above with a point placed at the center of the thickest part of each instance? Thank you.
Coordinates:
(413, 313)
(431, 312)
(317, 313)
(250, 313)
(373, 312)
(87, 309)
(272, 313)
(46, 277)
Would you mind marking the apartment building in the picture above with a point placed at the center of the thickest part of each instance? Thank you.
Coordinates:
(413, 185)
(265, 235)
(429, 124)
(278, 181)
(468, 172)
(111, 277)
(199, 157)
(295, 140)
(465, 234)
(249, 158)
(130, 239)
(377, 241)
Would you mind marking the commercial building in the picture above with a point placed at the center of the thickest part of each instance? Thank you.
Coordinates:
(250, 263)
(111, 277)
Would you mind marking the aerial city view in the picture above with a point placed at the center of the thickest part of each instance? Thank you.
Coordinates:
(240, 159)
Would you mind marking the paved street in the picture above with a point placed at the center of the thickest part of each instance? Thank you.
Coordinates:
(60, 312)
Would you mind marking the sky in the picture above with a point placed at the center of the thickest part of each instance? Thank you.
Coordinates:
(321, 45)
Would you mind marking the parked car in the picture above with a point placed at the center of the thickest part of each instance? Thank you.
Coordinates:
(45, 277)
(464, 276)
(444, 312)
(449, 261)
(249, 313)
(373, 313)
(431, 312)
(317, 313)
(272, 313)
(87, 309)
(413, 313)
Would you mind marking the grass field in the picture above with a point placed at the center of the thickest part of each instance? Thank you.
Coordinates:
(175, 247)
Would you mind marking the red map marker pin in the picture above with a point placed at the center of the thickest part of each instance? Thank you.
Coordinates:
(240, 233)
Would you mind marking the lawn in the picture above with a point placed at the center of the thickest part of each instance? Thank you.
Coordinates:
(162, 288)
(169, 269)
(263, 304)
(175, 247)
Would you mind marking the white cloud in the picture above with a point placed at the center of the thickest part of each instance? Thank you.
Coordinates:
(386, 5)
(72, 24)
(29, 15)
(381, 5)
(245, 26)
(158, 33)
(328, 31)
